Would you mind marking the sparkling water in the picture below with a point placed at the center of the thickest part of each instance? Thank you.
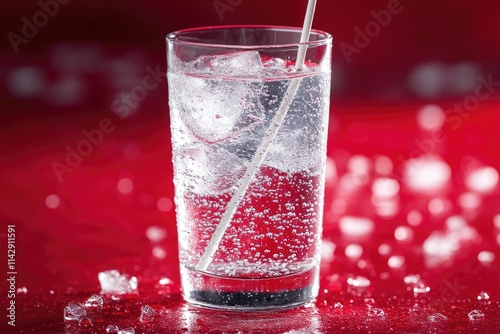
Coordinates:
(220, 108)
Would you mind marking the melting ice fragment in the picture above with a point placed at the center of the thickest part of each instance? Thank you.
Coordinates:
(148, 314)
(94, 301)
(112, 282)
(129, 330)
(74, 311)
(437, 317)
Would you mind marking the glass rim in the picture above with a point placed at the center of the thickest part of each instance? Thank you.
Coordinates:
(173, 37)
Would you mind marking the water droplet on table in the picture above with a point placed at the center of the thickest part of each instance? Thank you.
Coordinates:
(475, 315)
(74, 311)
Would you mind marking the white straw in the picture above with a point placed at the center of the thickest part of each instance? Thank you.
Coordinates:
(261, 152)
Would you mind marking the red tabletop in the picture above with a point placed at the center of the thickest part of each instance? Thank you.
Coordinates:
(411, 225)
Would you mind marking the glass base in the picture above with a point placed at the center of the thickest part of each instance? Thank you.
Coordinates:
(249, 294)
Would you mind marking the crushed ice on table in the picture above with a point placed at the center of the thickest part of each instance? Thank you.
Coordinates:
(74, 311)
(94, 301)
(112, 282)
(475, 315)
(375, 312)
(148, 314)
(437, 317)
(129, 330)
(338, 305)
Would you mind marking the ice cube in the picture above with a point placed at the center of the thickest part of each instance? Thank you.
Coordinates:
(94, 301)
(273, 67)
(148, 314)
(112, 282)
(233, 64)
(74, 311)
(213, 109)
(205, 169)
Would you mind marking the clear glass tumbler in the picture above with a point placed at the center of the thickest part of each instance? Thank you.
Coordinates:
(226, 84)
